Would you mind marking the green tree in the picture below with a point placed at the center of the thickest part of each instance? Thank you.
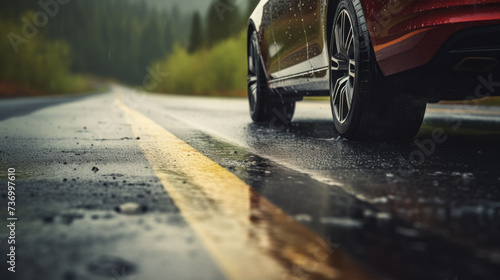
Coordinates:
(196, 37)
(223, 21)
(119, 41)
(40, 64)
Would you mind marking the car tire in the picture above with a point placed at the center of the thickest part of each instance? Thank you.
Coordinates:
(364, 104)
(264, 107)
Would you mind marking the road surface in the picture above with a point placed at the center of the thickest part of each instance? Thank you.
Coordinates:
(124, 185)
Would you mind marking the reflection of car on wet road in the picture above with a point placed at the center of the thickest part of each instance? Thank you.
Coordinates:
(379, 61)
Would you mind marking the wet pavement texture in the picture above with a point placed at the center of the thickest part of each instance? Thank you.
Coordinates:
(429, 209)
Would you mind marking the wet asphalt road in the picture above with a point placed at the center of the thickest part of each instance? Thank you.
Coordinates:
(429, 209)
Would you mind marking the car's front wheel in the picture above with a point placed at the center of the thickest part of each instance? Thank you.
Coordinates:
(264, 107)
(364, 105)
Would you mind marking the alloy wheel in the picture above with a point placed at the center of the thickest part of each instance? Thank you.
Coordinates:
(252, 78)
(343, 66)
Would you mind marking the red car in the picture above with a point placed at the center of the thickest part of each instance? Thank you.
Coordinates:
(380, 61)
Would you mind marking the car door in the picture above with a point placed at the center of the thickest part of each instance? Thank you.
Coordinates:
(289, 36)
(268, 48)
(312, 11)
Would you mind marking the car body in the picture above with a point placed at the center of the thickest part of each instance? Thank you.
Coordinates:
(430, 50)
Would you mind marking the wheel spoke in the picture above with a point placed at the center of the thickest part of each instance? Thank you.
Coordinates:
(349, 95)
(338, 39)
(337, 90)
(253, 90)
(342, 26)
(341, 104)
(339, 63)
(352, 68)
(350, 40)
(251, 67)
(344, 34)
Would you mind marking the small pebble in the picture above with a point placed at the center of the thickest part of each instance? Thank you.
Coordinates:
(130, 208)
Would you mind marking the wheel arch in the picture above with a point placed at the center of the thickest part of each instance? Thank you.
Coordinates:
(250, 29)
(330, 17)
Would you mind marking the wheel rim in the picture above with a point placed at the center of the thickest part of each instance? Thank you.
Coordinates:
(252, 78)
(343, 66)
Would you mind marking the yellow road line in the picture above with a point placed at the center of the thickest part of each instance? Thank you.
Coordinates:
(248, 237)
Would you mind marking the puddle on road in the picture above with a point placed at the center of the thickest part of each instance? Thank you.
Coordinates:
(387, 219)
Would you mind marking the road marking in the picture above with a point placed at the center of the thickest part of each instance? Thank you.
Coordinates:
(248, 236)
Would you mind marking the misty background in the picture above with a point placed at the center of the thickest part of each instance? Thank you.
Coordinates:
(184, 6)
(54, 48)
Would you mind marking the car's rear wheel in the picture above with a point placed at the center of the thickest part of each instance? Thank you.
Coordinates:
(264, 107)
(364, 105)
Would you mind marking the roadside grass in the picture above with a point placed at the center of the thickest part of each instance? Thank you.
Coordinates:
(219, 71)
(40, 67)
(464, 131)
(488, 101)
